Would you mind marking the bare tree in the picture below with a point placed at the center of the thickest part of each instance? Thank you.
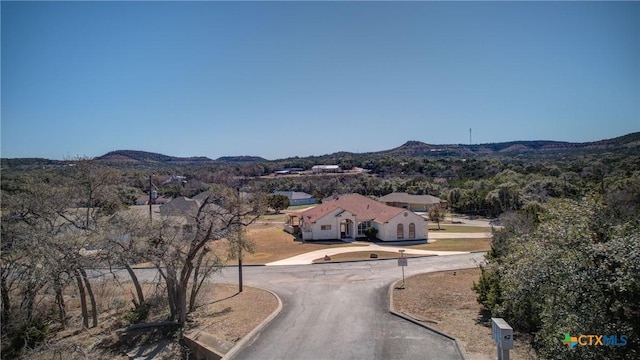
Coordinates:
(44, 232)
(178, 243)
(207, 264)
(32, 236)
(90, 184)
(436, 214)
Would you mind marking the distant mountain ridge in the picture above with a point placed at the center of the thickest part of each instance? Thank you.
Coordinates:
(136, 158)
(145, 156)
(417, 148)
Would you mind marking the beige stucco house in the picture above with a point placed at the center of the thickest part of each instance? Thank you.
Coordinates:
(347, 216)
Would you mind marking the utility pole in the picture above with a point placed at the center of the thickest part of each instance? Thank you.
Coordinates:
(150, 197)
(239, 229)
(470, 142)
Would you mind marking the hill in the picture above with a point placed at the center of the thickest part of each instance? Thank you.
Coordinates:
(135, 157)
(540, 147)
(629, 143)
(29, 163)
(240, 159)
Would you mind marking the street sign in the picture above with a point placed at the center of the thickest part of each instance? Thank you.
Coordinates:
(402, 261)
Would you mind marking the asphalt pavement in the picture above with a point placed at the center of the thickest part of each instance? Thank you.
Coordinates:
(341, 311)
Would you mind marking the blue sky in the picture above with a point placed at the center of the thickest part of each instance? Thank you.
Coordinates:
(281, 79)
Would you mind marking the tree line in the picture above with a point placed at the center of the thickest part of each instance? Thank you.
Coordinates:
(57, 229)
(570, 266)
(57, 223)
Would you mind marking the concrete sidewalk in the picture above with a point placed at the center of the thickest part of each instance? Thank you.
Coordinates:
(307, 258)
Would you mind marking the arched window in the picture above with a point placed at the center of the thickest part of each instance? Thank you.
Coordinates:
(412, 231)
(400, 231)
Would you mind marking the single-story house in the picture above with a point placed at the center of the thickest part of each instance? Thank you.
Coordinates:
(347, 217)
(412, 202)
(288, 171)
(180, 206)
(188, 207)
(297, 197)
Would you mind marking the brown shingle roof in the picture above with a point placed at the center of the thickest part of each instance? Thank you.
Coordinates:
(363, 207)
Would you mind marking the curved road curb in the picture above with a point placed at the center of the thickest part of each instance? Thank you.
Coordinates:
(256, 330)
(392, 310)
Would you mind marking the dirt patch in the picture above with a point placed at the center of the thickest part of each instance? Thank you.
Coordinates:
(446, 302)
(228, 315)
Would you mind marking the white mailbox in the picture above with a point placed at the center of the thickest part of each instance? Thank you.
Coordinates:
(502, 333)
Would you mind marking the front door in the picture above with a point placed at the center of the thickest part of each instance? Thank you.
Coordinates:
(345, 229)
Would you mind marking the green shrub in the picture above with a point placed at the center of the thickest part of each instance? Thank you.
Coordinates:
(371, 232)
(27, 335)
(138, 314)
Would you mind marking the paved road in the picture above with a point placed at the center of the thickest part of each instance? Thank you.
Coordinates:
(340, 311)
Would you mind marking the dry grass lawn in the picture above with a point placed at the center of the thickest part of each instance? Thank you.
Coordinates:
(455, 245)
(229, 315)
(282, 217)
(446, 302)
(272, 244)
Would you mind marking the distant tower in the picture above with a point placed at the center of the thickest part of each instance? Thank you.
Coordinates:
(470, 142)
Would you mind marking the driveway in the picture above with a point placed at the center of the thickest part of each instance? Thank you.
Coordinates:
(340, 311)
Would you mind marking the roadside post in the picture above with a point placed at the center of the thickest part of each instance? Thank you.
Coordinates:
(402, 262)
(502, 333)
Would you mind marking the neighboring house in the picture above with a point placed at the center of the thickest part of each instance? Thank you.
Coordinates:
(347, 216)
(297, 197)
(320, 169)
(288, 171)
(189, 207)
(174, 179)
(411, 202)
(180, 206)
